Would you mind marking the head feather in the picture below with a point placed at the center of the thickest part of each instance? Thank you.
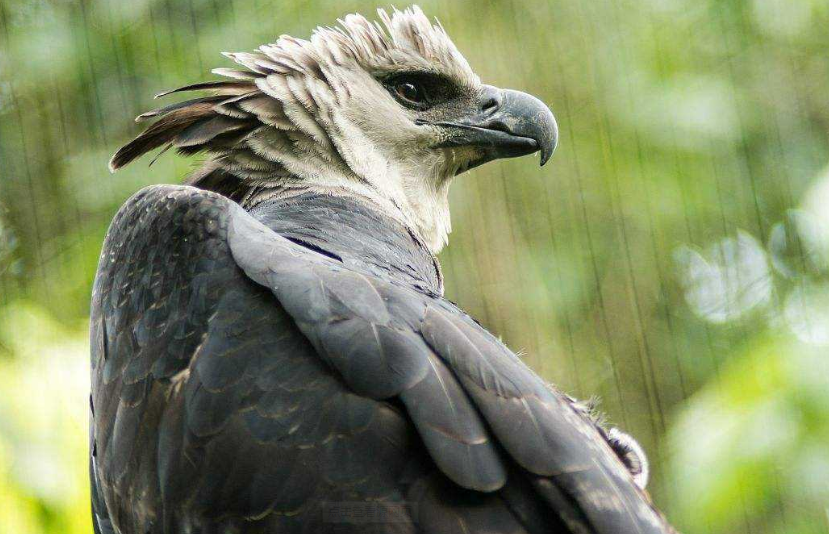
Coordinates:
(296, 108)
(405, 38)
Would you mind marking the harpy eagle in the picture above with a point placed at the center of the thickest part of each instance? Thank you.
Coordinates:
(271, 350)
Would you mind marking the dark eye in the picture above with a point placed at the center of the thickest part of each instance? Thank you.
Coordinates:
(419, 90)
(412, 92)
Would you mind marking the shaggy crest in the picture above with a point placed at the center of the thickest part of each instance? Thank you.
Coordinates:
(313, 114)
(406, 37)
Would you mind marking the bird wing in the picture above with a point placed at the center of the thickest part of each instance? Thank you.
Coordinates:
(470, 397)
(183, 323)
(208, 404)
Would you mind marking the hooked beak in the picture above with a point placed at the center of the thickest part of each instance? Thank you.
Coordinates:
(508, 124)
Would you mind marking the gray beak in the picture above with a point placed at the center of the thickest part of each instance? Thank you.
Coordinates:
(508, 124)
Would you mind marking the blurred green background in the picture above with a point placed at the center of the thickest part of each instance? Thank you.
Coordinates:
(673, 259)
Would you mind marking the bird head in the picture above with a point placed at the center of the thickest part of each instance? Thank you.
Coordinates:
(386, 111)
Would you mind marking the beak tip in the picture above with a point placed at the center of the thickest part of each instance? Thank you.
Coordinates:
(546, 154)
(548, 147)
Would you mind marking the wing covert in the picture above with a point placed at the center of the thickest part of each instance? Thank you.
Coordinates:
(373, 342)
(479, 411)
(209, 404)
(469, 396)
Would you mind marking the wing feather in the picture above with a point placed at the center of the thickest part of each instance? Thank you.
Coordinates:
(477, 406)
(212, 408)
(187, 382)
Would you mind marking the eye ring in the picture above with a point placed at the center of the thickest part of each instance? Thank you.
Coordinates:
(411, 92)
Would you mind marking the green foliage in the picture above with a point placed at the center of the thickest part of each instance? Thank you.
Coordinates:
(671, 258)
(43, 423)
(756, 437)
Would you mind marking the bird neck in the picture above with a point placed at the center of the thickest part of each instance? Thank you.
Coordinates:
(422, 206)
(353, 231)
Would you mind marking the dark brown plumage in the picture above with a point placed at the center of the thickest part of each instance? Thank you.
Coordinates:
(261, 372)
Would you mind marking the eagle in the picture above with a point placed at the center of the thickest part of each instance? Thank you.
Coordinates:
(271, 350)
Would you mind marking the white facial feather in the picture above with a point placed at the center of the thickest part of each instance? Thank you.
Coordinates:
(314, 115)
(344, 130)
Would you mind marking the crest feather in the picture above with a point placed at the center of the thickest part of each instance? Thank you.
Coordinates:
(271, 90)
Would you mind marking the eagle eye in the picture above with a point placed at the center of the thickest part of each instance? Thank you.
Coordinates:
(410, 91)
(419, 90)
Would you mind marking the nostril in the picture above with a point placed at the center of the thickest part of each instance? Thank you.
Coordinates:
(490, 104)
(491, 99)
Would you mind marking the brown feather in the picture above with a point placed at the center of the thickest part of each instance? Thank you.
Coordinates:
(203, 131)
(160, 112)
(236, 74)
(160, 133)
(222, 86)
(231, 106)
